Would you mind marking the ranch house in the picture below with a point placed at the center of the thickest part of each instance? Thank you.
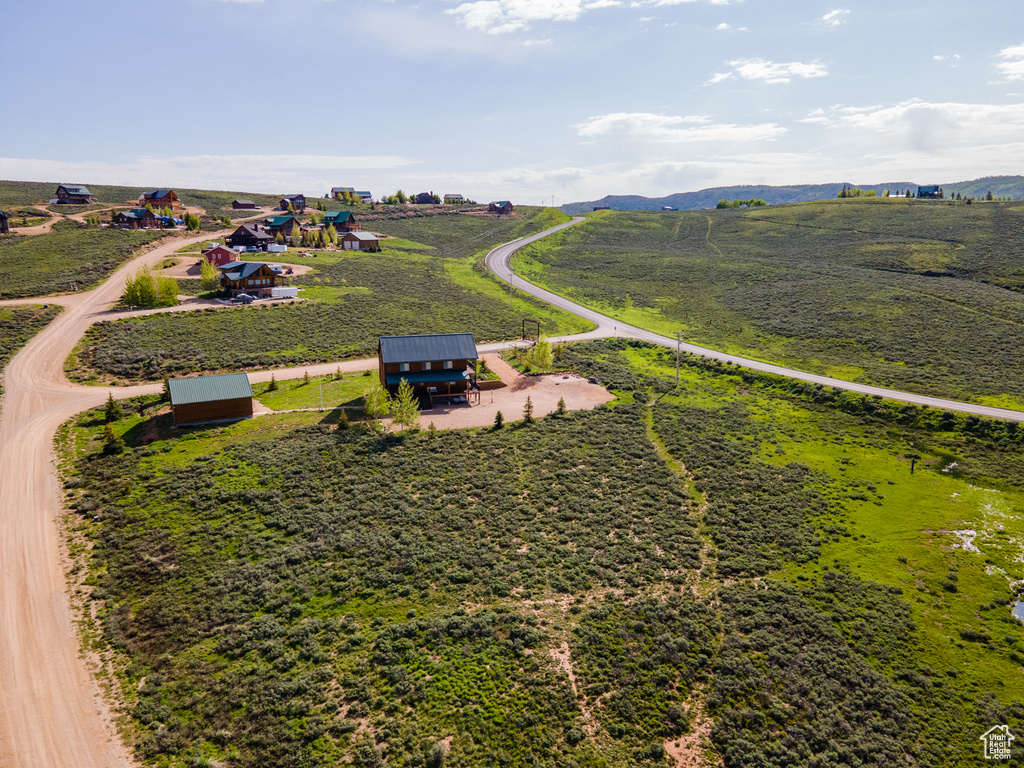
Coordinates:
(435, 364)
(199, 399)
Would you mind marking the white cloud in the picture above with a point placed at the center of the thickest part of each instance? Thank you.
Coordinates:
(545, 41)
(834, 18)
(722, 27)
(502, 16)
(719, 77)
(771, 71)
(672, 129)
(1012, 64)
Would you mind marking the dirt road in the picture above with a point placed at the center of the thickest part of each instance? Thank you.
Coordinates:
(51, 710)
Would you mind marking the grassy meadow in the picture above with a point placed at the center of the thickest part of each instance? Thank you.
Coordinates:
(730, 557)
(920, 296)
(353, 298)
(72, 256)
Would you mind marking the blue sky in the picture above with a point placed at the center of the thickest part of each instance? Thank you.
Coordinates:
(522, 99)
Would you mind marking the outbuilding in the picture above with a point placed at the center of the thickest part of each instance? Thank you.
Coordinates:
(244, 205)
(359, 241)
(198, 399)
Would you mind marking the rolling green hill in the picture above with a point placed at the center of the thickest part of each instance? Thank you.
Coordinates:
(1002, 187)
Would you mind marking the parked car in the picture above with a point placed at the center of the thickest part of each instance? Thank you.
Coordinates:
(244, 298)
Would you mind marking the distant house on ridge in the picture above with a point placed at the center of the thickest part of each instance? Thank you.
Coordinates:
(424, 198)
(160, 198)
(198, 399)
(74, 194)
(298, 202)
(933, 192)
(499, 206)
(454, 198)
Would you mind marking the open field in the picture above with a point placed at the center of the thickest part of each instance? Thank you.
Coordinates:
(590, 588)
(921, 297)
(71, 256)
(356, 296)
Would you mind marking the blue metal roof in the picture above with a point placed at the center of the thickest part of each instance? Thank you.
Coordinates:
(420, 349)
(206, 389)
(156, 193)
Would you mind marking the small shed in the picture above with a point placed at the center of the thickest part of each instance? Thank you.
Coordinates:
(197, 399)
(360, 241)
(244, 205)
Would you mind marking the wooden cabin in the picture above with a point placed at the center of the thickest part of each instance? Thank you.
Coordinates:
(160, 198)
(434, 364)
(251, 277)
(74, 194)
(199, 399)
(244, 205)
(136, 218)
(283, 224)
(298, 202)
(499, 206)
(343, 221)
(249, 236)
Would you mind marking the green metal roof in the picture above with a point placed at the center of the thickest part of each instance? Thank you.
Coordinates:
(337, 217)
(420, 349)
(206, 389)
(278, 221)
(427, 377)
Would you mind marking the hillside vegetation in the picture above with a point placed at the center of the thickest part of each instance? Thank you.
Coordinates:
(29, 192)
(280, 592)
(17, 326)
(919, 296)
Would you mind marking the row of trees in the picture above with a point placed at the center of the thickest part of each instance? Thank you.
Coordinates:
(754, 202)
(403, 408)
(146, 290)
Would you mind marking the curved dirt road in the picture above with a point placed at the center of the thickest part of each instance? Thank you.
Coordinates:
(498, 261)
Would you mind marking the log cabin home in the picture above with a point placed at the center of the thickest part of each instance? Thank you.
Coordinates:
(339, 192)
(251, 277)
(424, 198)
(249, 236)
(136, 218)
(434, 364)
(343, 221)
(160, 198)
(74, 194)
(283, 224)
(199, 399)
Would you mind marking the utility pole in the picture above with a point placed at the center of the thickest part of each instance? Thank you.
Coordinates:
(679, 341)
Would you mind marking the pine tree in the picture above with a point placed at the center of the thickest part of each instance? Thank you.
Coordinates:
(112, 442)
(560, 409)
(499, 420)
(528, 411)
(112, 410)
(272, 386)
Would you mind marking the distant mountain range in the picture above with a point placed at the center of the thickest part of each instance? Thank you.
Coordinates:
(1001, 186)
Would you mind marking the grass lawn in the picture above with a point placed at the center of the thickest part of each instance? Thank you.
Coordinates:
(328, 392)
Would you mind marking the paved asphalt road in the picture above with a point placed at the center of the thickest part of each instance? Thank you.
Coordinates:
(498, 263)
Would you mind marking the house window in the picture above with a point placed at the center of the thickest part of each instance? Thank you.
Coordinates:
(447, 364)
(426, 366)
(403, 366)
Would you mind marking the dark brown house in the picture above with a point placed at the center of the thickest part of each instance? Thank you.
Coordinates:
(198, 399)
(136, 218)
(74, 194)
(343, 221)
(160, 198)
(298, 202)
(244, 205)
(249, 236)
(499, 206)
(251, 277)
(434, 364)
(283, 224)
(5, 224)
(425, 198)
